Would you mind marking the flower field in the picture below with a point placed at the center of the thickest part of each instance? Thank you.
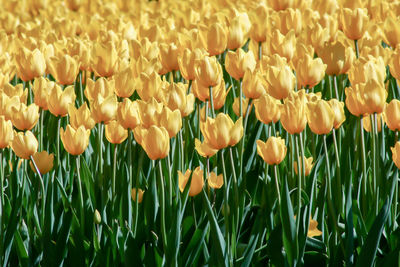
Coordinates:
(201, 132)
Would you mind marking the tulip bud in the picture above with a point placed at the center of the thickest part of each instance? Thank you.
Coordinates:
(391, 115)
(171, 121)
(204, 149)
(115, 133)
(25, 144)
(310, 71)
(169, 56)
(208, 71)
(338, 111)
(25, 117)
(104, 61)
(293, 113)
(236, 63)
(101, 87)
(128, 114)
(196, 184)
(320, 117)
(154, 140)
(6, 132)
(59, 100)
(80, 116)
(124, 83)
(217, 39)
(337, 57)
(97, 217)
(312, 229)
(374, 94)
(354, 22)
(104, 110)
(236, 34)
(273, 151)
(30, 64)
(64, 69)
(140, 193)
(354, 101)
(215, 181)
(44, 162)
(41, 90)
(280, 81)
(268, 109)
(308, 162)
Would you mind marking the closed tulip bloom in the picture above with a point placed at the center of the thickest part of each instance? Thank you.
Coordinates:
(253, 85)
(283, 45)
(308, 163)
(101, 86)
(368, 68)
(290, 19)
(41, 90)
(293, 112)
(17, 90)
(149, 112)
(7, 104)
(80, 116)
(208, 71)
(140, 195)
(273, 151)
(196, 184)
(215, 181)
(154, 140)
(221, 132)
(75, 141)
(394, 64)
(354, 22)
(171, 121)
(64, 69)
(29, 64)
(338, 111)
(318, 36)
(280, 81)
(273, 60)
(312, 229)
(60, 100)
(24, 144)
(6, 132)
(25, 117)
(320, 117)
(186, 62)
(124, 83)
(104, 61)
(396, 154)
(115, 133)
(338, 57)
(268, 109)
(175, 97)
(391, 115)
(149, 86)
(203, 93)
(391, 31)
(367, 122)
(128, 114)
(236, 34)
(354, 101)
(245, 106)
(310, 71)
(104, 109)
(236, 63)
(217, 38)
(374, 94)
(204, 149)
(169, 56)
(44, 162)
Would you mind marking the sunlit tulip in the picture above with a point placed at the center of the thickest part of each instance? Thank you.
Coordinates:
(391, 31)
(253, 85)
(204, 149)
(196, 184)
(203, 93)
(354, 101)
(293, 112)
(24, 144)
(308, 163)
(283, 45)
(215, 181)
(365, 69)
(29, 64)
(104, 109)
(171, 121)
(374, 95)
(124, 83)
(25, 117)
(273, 60)
(354, 22)
(115, 133)
(144, 48)
(236, 34)
(104, 61)
(44, 162)
(338, 111)
(313, 97)
(237, 63)
(312, 229)
(281, 4)
(149, 112)
(41, 90)
(186, 62)
(221, 132)
(17, 90)
(140, 195)
(154, 140)
(6, 132)
(175, 97)
(208, 71)
(280, 81)
(302, 50)
(217, 38)
(391, 115)
(245, 106)
(149, 86)
(59, 100)
(64, 69)
(396, 154)
(310, 71)
(318, 36)
(320, 117)
(394, 64)
(268, 109)
(80, 116)
(7, 104)
(367, 122)
(75, 141)
(101, 86)
(169, 56)
(290, 19)
(273, 151)
(337, 57)
(260, 26)
(128, 114)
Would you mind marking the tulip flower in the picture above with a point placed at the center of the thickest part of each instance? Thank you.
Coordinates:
(171, 121)
(374, 95)
(44, 162)
(208, 71)
(203, 93)
(124, 83)
(312, 229)
(25, 144)
(281, 4)
(196, 184)
(320, 117)
(217, 38)
(268, 109)
(169, 56)
(7, 104)
(354, 22)
(75, 141)
(115, 133)
(237, 63)
(6, 132)
(29, 64)
(149, 86)
(394, 64)
(367, 122)
(273, 60)
(104, 110)
(175, 97)
(391, 31)
(245, 106)
(25, 117)
(80, 116)
(154, 140)
(41, 90)
(338, 110)
(17, 90)
(140, 195)
(310, 71)
(104, 59)
(260, 26)
(215, 181)
(290, 19)
(365, 69)
(273, 151)
(149, 112)
(280, 81)
(64, 69)
(128, 114)
(101, 86)
(236, 34)
(221, 132)
(354, 101)
(187, 60)
(391, 115)
(293, 113)
(283, 45)
(253, 85)
(338, 57)
(204, 149)
(59, 100)
(308, 162)
(396, 154)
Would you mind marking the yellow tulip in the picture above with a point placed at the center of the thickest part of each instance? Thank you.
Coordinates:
(41, 90)
(365, 69)
(354, 22)
(374, 95)
(215, 181)
(391, 115)
(7, 104)
(260, 26)
(80, 116)
(128, 114)
(208, 71)
(281, 4)
(338, 111)
(310, 71)
(308, 162)
(101, 86)
(75, 141)
(169, 56)
(253, 85)
(140, 195)
(25, 117)
(354, 101)
(236, 34)
(217, 39)
(273, 151)
(64, 69)
(59, 100)
(171, 121)
(290, 19)
(175, 97)
(29, 64)
(320, 117)
(196, 184)
(396, 154)
(154, 140)
(394, 64)
(6, 132)
(104, 109)
(115, 133)
(245, 106)
(280, 81)
(237, 63)
(149, 112)
(204, 149)
(391, 31)
(203, 93)
(17, 90)
(338, 57)
(293, 112)
(104, 61)
(149, 86)
(186, 62)
(312, 229)
(124, 83)
(283, 45)
(367, 122)
(44, 162)
(24, 144)
(268, 109)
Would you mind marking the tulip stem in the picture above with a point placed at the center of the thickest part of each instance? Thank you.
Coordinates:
(182, 151)
(233, 164)
(259, 50)
(198, 119)
(100, 144)
(374, 129)
(1, 203)
(42, 187)
(276, 183)
(189, 87)
(226, 204)
(80, 193)
(114, 175)
(211, 103)
(41, 129)
(58, 141)
(336, 148)
(335, 87)
(81, 88)
(298, 183)
(162, 203)
(356, 47)
(141, 155)
(363, 155)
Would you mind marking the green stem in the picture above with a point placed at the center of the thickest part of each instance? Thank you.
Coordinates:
(211, 103)
(81, 88)
(129, 179)
(58, 141)
(82, 211)
(356, 47)
(100, 147)
(42, 187)
(114, 176)
(364, 159)
(374, 157)
(1, 204)
(182, 167)
(277, 183)
(141, 155)
(259, 50)
(226, 204)
(41, 130)
(162, 203)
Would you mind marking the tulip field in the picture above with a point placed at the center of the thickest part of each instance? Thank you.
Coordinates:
(199, 133)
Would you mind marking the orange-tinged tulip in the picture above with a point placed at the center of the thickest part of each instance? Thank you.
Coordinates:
(154, 140)
(236, 34)
(237, 63)
(290, 19)
(374, 94)
(396, 154)
(281, 4)
(25, 117)
(215, 181)
(221, 132)
(115, 133)
(64, 69)
(80, 116)
(75, 141)
(338, 57)
(59, 100)
(101, 86)
(391, 115)
(41, 90)
(320, 117)
(354, 101)
(124, 83)
(196, 184)
(6, 132)
(128, 114)
(186, 62)
(140, 194)
(44, 162)
(308, 162)
(175, 97)
(24, 144)
(171, 121)
(253, 85)
(208, 71)
(293, 112)
(273, 151)
(280, 81)
(104, 109)
(29, 64)
(217, 38)
(354, 22)
(338, 111)
(310, 71)
(367, 122)
(268, 109)
(312, 229)
(169, 56)
(204, 149)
